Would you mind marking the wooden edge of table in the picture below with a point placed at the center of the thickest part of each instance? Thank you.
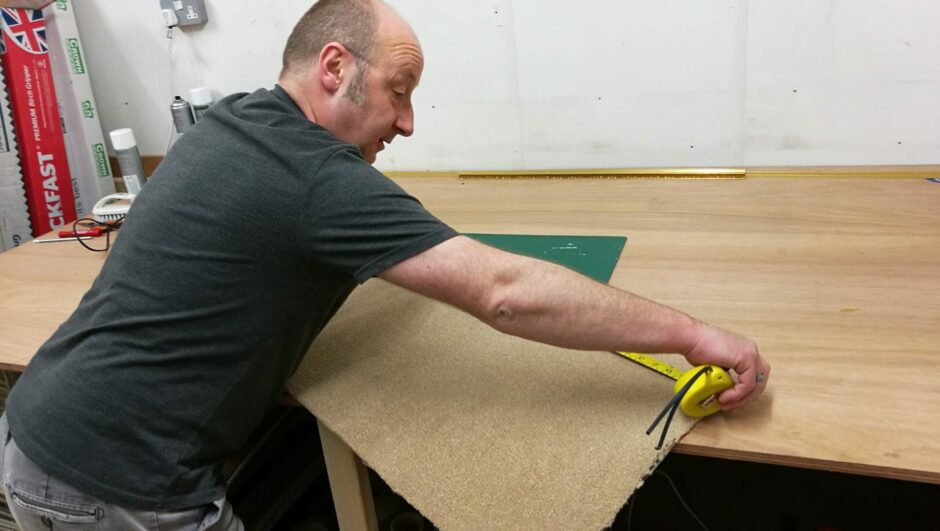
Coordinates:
(858, 469)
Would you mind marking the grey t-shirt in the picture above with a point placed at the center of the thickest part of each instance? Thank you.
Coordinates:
(239, 249)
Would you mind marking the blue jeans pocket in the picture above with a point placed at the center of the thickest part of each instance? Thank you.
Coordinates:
(57, 510)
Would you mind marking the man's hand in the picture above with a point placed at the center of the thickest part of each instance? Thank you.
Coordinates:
(732, 351)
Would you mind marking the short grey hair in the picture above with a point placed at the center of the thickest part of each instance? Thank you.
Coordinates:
(352, 23)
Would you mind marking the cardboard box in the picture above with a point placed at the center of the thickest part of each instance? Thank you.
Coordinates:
(35, 110)
(84, 139)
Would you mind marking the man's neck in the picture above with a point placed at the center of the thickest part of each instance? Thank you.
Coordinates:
(300, 98)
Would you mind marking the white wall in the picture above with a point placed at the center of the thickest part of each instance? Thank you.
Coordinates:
(528, 84)
(843, 82)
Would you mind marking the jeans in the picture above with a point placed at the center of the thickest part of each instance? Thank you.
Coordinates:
(39, 501)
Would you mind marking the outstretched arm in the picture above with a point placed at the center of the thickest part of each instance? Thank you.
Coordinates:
(551, 304)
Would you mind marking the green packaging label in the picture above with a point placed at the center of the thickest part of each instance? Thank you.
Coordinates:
(75, 56)
(87, 110)
(62, 5)
(101, 160)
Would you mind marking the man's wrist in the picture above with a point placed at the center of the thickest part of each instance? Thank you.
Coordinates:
(692, 335)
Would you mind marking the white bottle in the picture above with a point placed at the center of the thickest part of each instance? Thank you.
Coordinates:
(132, 169)
(202, 99)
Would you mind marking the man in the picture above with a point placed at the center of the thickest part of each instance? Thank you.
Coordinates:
(243, 244)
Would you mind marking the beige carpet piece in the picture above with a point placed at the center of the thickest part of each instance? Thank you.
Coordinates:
(477, 429)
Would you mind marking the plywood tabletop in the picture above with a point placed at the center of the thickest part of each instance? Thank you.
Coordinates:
(837, 280)
(40, 286)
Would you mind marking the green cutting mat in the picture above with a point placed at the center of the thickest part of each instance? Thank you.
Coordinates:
(594, 256)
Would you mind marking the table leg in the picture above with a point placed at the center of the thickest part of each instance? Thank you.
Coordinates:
(349, 483)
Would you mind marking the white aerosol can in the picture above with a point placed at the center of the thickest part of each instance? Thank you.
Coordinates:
(128, 157)
(202, 99)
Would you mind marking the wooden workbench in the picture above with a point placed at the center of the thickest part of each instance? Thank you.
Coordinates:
(838, 280)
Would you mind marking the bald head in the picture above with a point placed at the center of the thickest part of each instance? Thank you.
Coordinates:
(351, 67)
(351, 22)
(356, 24)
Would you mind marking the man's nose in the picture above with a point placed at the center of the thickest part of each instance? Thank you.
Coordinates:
(406, 122)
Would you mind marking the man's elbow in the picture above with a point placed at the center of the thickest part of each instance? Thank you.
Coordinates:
(495, 290)
(501, 310)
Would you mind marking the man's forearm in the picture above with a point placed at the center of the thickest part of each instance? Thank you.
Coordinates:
(549, 303)
(543, 301)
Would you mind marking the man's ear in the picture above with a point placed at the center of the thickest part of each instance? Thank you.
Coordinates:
(331, 66)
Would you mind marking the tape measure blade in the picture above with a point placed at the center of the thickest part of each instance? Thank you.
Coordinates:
(652, 363)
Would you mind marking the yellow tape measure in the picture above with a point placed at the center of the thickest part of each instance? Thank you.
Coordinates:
(700, 400)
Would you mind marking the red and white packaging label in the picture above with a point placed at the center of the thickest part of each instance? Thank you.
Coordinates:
(36, 120)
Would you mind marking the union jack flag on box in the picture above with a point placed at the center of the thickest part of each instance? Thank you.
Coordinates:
(46, 176)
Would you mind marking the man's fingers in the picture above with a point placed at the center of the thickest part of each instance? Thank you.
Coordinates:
(751, 383)
(737, 396)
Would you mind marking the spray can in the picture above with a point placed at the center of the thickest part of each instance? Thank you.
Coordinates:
(202, 99)
(125, 147)
(182, 115)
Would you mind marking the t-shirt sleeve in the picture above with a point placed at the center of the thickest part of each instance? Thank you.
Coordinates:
(359, 221)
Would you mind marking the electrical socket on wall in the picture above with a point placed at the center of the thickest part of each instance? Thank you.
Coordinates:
(188, 12)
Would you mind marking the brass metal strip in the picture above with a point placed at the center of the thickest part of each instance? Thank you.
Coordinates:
(920, 171)
(631, 173)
